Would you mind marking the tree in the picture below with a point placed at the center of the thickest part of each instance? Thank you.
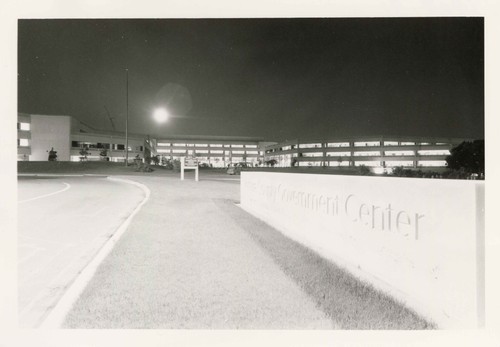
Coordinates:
(83, 153)
(468, 157)
(52, 154)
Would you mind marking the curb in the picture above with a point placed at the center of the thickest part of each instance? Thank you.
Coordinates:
(60, 175)
(56, 317)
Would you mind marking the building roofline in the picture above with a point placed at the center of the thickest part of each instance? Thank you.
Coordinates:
(376, 137)
(210, 137)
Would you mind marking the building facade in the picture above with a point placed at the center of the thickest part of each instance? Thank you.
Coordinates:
(38, 134)
(214, 151)
(380, 154)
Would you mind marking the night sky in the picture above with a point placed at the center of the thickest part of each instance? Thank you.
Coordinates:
(272, 78)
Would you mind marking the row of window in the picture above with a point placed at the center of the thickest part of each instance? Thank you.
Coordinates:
(404, 163)
(356, 144)
(100, 145)
(169, 144)
(378, 153)
(212, 151)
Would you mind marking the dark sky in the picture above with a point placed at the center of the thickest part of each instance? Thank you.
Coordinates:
(272, 78)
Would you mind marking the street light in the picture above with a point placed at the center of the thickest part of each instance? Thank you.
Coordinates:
(160, 115)
(126, 128)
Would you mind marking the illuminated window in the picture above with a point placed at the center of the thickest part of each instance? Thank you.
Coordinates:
(338, 144)
(23, 142)
(366, 154)
(286, 148)
(24, 126)
(215, 145)
(434, 152)
(441, 143)
(216, 151)
(252, 152)
(251, 146)
(407, 143)
(310, 145)
(399, 153)
(163, 143)
(190, 145)
(237, 146)
(425, 143)
(238, 152)
(202, 151)
(391, 143)
(178, 151)
(227, 146)
(313, 154)
(367, 144)
(201, 145)
(309, 163)
(162, 150)
(237, 158)
(394, 163)
(338, 154)
(179, 144)
(367, 163)
(438, 163)
(337, 163)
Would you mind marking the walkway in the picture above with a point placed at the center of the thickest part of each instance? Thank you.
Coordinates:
(186, 263)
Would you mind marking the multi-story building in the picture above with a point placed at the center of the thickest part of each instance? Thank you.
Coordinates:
(215, 151)
(38, 134)
(380, 153)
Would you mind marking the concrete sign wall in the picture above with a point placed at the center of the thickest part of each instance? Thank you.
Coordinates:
(420, 240)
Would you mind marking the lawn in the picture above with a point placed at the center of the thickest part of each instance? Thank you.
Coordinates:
(352, 303)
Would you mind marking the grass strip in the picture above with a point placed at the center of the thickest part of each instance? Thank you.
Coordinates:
(351, 303)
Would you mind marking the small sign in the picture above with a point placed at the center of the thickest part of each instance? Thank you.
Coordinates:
(189, 163)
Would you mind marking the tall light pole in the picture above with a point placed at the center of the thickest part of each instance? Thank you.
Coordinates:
(126, 127)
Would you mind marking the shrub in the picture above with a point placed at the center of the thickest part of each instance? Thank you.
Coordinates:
(52, 154)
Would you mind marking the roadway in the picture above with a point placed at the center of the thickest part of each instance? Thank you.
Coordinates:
(62, 223)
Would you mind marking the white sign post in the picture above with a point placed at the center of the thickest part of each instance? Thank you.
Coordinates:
(189, 163)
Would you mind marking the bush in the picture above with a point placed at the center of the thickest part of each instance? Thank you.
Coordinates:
(52, 155)
(155, 160)
(176, 165)
(363, 170)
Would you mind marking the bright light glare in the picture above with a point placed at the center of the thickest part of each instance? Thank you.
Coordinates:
(160, 115)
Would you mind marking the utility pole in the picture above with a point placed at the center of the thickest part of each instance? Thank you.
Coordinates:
(126, 127)
(111, 138)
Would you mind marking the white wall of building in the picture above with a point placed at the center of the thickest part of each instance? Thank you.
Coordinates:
(48, 132)
(421, 241)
